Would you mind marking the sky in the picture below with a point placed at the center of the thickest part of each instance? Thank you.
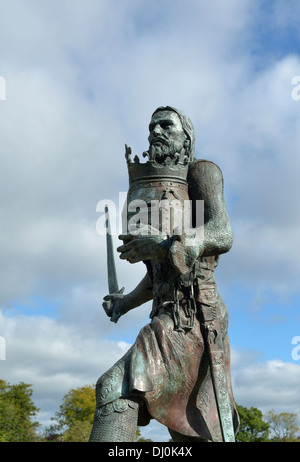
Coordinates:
(82, 78)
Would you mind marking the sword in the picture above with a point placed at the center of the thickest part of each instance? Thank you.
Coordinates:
(216, 359)
(113, 286)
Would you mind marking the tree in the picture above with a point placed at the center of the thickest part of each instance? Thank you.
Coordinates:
(75, 416)
(284, 426)
(140, 438)
(252, 426)
(79, 431)
(16, 412)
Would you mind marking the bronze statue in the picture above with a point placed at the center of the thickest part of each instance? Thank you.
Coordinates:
(178, 370)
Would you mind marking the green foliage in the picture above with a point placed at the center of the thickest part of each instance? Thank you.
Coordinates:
(78, 432)
(140, 438)
(75, 416)
(252, 426)
(16, 412)
(74, 419)
(284, 426)
(78, 405)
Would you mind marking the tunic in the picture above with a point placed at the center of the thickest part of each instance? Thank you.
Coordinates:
(168, 368)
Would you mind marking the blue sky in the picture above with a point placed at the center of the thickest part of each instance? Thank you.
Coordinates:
(82, 79)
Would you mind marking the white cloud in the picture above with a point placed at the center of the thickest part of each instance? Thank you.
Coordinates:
(266, 385)
(54, 357)
(65, 143)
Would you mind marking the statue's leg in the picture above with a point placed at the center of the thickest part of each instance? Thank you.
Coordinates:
(179, 438)
(115, 422)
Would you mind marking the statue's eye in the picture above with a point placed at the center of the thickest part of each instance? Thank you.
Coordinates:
(164, 125)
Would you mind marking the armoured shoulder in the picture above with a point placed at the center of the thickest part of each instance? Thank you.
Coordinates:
(204, 178)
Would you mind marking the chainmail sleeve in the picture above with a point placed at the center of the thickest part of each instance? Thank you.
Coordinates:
(206, 184)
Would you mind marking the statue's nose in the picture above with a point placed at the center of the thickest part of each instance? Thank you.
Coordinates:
(157, 129)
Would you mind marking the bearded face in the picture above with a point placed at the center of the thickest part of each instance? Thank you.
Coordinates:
(166, 137)
(162, 149)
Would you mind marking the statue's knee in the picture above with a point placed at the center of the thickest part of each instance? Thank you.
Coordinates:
(119, 406)
(108, 388)
(115, 421)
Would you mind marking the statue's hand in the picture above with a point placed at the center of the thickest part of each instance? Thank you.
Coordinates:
(144, 243)
(114, 305)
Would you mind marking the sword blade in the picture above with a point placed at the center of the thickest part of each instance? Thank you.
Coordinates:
(214, 346)
(222, 399)
(113, 286)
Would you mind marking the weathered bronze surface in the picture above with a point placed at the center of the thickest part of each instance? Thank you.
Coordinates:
(178, 370)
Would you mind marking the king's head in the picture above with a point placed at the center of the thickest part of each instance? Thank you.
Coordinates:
(171, 135)
(171, 146)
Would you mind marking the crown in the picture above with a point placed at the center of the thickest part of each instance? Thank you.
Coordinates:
(171, 169)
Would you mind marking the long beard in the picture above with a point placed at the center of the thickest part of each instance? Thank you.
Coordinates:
(163, 151)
